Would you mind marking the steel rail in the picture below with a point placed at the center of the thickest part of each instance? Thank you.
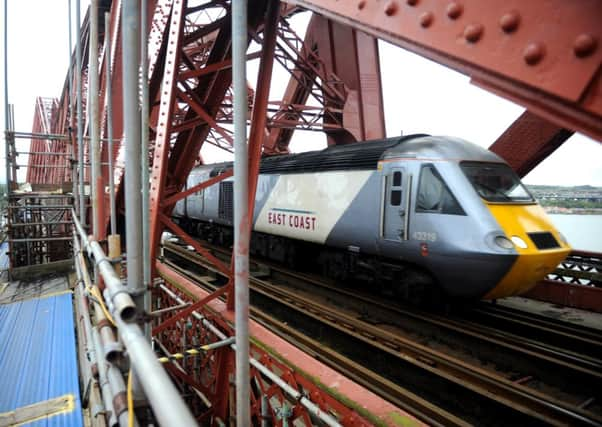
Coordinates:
(575, 336)
(517, 396)
(399, 396)
(567, 358)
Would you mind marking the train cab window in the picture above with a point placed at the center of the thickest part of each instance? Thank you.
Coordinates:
(496, 182)
(434, 196)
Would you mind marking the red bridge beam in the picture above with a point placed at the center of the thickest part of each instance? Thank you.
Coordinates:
(528, 141)
(545, 55)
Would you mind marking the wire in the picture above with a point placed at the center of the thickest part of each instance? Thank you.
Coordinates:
(130, 401)
(95, 292)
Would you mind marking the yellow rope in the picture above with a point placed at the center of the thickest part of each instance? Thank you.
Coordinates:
(94, 291)
(130, 401)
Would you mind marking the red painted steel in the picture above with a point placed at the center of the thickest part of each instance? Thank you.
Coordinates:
(543, 54)
(567, 295)
(47, 168)
(529, 141)
(352, 56)
(327, 67)
(163, 131)
(294, 357)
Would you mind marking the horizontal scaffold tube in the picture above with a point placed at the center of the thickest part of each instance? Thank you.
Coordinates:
(165, 400)
(102, 343)
(112, 349)
(119, 297)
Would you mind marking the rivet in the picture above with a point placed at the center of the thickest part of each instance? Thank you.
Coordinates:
(361, 4)
(473, 32)
(584, 45)
(426, 19)
(412, 2)
(454, 10)
(390, 8)
(510, 21)
(534, 52)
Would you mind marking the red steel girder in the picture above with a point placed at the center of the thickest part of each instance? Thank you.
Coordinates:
(51, 168)
(528, 141)
(352, 56)
(543, 54)
(172, 160)
(568, 295)
(346, 83)
(189, 291)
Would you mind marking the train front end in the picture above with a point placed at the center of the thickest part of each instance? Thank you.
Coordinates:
(526, 228)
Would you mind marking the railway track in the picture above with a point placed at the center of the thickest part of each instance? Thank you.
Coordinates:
(554, 332)
(490, 390)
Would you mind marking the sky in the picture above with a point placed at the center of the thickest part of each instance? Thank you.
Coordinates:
(420, 96)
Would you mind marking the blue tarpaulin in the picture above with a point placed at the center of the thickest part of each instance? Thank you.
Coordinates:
(38, 360)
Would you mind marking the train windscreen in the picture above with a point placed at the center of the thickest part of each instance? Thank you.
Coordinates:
(496, 182)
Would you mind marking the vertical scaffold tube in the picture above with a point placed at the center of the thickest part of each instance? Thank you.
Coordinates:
(109, 92)
(131, 115)
(80, 122)
(241, 214)
(144, 159)
(95, 178)
(6, 113)
(71, 113)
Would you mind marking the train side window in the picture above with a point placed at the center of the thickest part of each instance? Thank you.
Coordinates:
(433, 194)
(396, 189)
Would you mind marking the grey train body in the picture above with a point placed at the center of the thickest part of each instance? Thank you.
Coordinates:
(365, 208)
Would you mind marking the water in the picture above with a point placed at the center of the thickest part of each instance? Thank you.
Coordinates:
(582, 231)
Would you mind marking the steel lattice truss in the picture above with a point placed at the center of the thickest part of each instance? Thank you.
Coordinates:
(552, 67)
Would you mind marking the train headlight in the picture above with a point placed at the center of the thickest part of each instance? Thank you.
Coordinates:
(503, 242)
(519, 242)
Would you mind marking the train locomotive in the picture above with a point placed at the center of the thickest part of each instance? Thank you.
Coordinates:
(415, 215)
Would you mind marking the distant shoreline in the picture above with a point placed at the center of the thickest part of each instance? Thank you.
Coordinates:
(558, 210)
(576, 200)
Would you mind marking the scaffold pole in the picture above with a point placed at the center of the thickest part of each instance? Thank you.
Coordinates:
(131, 115)
(95, 179)
(80, 124)
(70, 106)
(6, 113)
(241, 211)
(146, 262)
(109, 92)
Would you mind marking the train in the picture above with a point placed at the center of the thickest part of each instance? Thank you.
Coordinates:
(414, 217)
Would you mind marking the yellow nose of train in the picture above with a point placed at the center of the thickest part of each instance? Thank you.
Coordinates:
(539, 245)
